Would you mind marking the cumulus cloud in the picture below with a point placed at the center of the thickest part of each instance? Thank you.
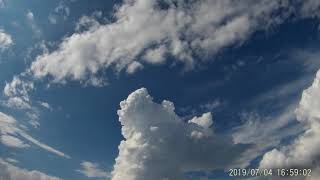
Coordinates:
(5, 39)
(13, 135)
(134, 67)
(92, 170)
(304, 150)
(159, 144)
(9, 171)
(147, 31)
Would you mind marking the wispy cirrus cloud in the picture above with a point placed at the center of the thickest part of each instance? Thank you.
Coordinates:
(14, 135)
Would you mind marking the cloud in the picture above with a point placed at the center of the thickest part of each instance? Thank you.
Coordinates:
(13, 135)
(263, 132)
(212, 105)
(149, 31)
(204, 121)
(12, 141)
(17, 102)
(17, 92)
(304, 150)
(9, 171)
(159, 144)
(134, 67)
(86, 23)
(32, 23)
(92, 170)
(45, 105)
(61, 12)
(5, 39)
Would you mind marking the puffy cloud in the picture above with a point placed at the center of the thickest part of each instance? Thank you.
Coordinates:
(5, 39)
(159, 144)
(134, 67)
(149, 30)
(92, 170)
(204, 121)
(9, 171)
(155, 56)
(304, 150)
(13, 135)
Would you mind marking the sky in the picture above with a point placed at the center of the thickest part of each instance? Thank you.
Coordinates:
(158, 89)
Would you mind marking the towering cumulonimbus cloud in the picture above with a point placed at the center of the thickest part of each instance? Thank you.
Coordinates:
(159, 144)
(305, 149)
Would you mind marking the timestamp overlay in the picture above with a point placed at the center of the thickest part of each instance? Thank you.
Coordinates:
(281, 172)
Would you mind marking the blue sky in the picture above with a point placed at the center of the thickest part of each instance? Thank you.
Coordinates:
(241, 77)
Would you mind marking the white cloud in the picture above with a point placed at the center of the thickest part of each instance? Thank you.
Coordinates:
(45, 105)
(17, 87)
(10, 160)
(88, 22)
(304, 151)
(5, 39)
(61, 12)
(12, 135)
(190, 31)
(32, 23)
(159, 144)
(134, 67)
(12, 141)
(17, 102)
(92, 170)
(9, 171)
(204, 121)
(155, 56)
(17, 92)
